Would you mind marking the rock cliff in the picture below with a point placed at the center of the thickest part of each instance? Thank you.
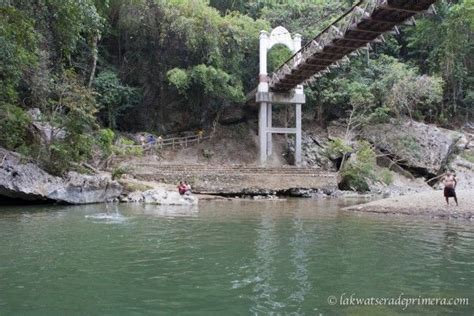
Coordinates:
(26, 181)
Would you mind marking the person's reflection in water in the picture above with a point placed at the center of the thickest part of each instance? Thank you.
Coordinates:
(450, 240)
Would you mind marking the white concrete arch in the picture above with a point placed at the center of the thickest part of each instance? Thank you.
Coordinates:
(265, 98)
(280, 35)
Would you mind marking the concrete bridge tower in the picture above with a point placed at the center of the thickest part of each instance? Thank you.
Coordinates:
(265, 98)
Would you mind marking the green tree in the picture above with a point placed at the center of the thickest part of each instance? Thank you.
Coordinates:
(443, 44)
(18, 44)
(113, 97)
(71, 112)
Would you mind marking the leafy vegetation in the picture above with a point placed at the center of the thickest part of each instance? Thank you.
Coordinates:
(357, 172)
(469, 156)
(13, 126)
(338, 148)
(113, 98)
(386, 176)
(361, 169)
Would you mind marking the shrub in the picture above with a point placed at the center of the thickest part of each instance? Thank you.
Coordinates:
(386, 176)
(469, 156)
(380, 115)
(106, 140)
(207, 153)
(119, 172)
(337, 148)
(132, 186)
(13, 126)
(125, 147)
(357, 173)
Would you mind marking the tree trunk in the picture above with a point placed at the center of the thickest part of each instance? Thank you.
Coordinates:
(95, 53)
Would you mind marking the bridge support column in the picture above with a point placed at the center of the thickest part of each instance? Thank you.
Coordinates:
(266, 98)
(262, 132)
(269, 134)
(298, 135)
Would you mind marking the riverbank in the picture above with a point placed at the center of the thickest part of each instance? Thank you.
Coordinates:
(429, 203)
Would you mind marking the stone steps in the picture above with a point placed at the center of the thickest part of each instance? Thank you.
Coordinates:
(174, 169)
(232, 179)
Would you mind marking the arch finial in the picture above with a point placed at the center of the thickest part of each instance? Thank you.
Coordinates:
(280, 35)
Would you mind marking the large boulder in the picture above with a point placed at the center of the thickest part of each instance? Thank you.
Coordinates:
(463, 167)
(26, 181)
(166, 197)
(44, 129)
(421, 148)
(84, 189)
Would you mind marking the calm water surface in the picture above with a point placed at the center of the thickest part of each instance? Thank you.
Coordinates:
(228, 258)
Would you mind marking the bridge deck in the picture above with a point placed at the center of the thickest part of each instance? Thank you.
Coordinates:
(360, 26)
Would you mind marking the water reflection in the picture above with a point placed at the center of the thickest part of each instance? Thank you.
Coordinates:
(172, 211)
(266, 247)
(299, 245)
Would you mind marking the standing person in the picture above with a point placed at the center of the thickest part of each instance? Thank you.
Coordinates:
(450, 183)
(160, 142)
(141, 139)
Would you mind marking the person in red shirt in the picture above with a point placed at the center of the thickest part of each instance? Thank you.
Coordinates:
(181, 188)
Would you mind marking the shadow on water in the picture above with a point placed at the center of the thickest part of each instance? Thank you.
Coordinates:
(6, 201)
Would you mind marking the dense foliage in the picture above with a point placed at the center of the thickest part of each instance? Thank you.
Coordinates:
(172, 65)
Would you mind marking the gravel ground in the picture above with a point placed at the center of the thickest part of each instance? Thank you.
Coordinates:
(430, 203)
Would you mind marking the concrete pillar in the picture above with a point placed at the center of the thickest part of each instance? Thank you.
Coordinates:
(297, 46)
(263, 75)
(263, 87)
(298, 136)
(262, 132)
(269, 135)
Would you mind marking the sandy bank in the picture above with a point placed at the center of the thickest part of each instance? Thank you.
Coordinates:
(429, 203)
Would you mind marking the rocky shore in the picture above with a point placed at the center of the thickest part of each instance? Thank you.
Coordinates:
(24, 181)
(429, 203)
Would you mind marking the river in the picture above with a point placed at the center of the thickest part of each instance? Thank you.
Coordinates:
(296, 257)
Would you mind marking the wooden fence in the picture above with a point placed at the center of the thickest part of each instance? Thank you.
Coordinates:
(173, 142)
(182, 142)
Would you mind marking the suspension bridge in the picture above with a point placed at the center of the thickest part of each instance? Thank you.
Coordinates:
(365, 23)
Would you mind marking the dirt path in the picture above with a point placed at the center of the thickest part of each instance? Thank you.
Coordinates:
(429, 203)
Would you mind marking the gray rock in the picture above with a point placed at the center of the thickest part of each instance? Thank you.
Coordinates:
(464, 171)
(85, 189)
(338, 129)
(45, 130)
(313, 147)
(301, 192)
(26, 181)
(135, 197)
(165, 197)
(257, 191)
(418, 146)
